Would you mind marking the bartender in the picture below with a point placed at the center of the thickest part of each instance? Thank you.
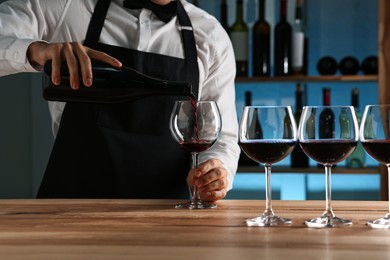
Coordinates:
(125, 150)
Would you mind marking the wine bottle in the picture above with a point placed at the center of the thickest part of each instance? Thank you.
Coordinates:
(358, 158)
(261, 44)
(195, 2)
(327, 118)
(239, 38)
(244, 160)
(349, 66)
(370, 65)
(224, 16)
(282, 50)
(298, 158)
(299, 40)
(111, 85)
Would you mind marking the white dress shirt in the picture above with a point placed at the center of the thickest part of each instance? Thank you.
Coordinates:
(26, 21)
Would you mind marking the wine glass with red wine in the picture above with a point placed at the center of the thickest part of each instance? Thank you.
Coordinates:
(328, 135)
(375, 138)
(267, 135)
(195, 126)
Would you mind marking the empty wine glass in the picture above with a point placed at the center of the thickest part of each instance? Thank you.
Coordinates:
(195, 126)
(375, 138)
(328, 135)
(267, 135)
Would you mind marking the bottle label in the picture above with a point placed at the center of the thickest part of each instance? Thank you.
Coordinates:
(298, 40)
(240, 45)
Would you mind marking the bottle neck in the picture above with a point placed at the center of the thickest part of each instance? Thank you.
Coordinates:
(326, 100)
(224, 17)
(240, 11)
(283, 10)
(299, 98)
(248, 98)
(355, 99)
(262, 10)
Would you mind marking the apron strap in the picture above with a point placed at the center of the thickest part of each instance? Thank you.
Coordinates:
(191, 55)
(97, 22)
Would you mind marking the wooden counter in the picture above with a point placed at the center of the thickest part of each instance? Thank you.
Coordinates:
(153, 229)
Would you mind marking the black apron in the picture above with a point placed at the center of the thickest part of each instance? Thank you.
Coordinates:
(123, 150)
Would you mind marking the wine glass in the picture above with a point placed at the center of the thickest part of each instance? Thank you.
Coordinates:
(267, 135)
(328, 135)
(375, 138)
(195, 126)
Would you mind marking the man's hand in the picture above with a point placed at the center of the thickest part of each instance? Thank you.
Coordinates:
(211, 180)
(75, 55)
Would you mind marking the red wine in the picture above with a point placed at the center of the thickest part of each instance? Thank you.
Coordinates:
(193, 104)
(283, 44)
(267, 151)
(328, 151)
(196, 146)
(378, 149)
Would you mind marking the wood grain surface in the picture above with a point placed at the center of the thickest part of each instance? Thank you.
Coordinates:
(153, 229)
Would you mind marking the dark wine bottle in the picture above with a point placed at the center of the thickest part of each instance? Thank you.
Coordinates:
(327, 118)
(261, 44)
(283, 46)
(358, 158)
(327, 65)
(349, 66)
(195, 2)
(111, 85)
(239, 38)
(326, 127)
(255, 126)
(298, 158)
(370, 65)
(299, 40)
(224, 16)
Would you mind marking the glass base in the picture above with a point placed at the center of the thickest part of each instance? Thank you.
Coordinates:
(267, 221)
(196, 204)
(328, 220)
(380, 223)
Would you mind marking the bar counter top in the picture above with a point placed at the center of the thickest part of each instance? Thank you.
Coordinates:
(154, 229)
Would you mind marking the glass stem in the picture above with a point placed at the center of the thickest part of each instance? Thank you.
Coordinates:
(195, 162)
(388, 189)
(268, 194)
(328, 191)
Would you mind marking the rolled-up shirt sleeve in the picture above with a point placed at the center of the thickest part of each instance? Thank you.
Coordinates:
(219, 86)
(21, 23)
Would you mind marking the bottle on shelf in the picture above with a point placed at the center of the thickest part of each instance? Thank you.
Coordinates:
(195, 2)
(283, 46)
(349, 66)
(327, 119)
(261, 44)
(224, 15)
(298, 158)
(299, 41)
(358, 158)
(244, 160)
(239, 38)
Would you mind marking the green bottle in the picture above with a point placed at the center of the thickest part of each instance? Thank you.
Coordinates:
(239, 38)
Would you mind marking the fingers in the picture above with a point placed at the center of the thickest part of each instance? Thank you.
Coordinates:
(77, 57)
(211, 180)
